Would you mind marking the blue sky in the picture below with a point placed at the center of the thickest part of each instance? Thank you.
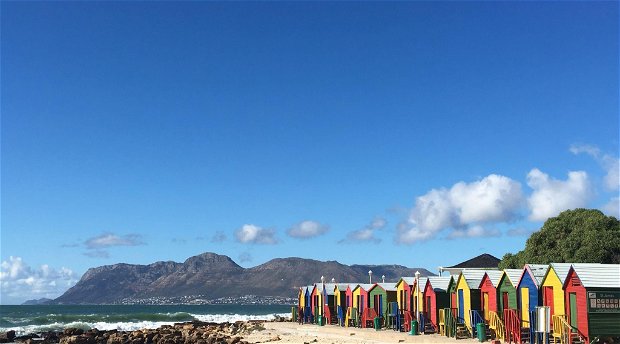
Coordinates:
(359, 132)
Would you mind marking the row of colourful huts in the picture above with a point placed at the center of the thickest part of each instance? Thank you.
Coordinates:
(559, 302)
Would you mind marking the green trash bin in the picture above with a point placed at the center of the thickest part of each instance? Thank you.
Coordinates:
(414, 327)
(481, 332)
(377, 323)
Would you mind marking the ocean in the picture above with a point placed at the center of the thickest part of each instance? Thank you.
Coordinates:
(43, 318)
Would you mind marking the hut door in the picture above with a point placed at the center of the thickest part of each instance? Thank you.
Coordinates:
(380, 305)
(505, 304)
(362, 304)
(357, 302)
(485, 305)
(348, 301)
(461, 305)
(573, 309)
(428, 311)
(548, 299)
(525, 306)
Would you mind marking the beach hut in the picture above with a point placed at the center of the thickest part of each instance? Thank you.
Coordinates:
(488, 293)
(552, 286)
(507, 290)
(437, 297)
(592, 300)
(417, 294)
(361, 303)
(468, 295)
(403, 293)
(317, 302)
(380, 295)
(340, 301)
(329, 303)
(352, 313)
(528, 291)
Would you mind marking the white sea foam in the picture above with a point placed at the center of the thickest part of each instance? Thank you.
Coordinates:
(138, 325)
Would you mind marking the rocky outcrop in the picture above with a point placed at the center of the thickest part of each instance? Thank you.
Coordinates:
(182, 333)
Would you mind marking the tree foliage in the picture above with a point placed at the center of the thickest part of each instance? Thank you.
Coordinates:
(574, 236)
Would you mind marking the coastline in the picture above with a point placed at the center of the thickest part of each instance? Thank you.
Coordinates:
(280, 330)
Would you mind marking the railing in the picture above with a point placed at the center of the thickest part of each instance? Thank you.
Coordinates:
(351, 317)
(368, 315)
(392, 318)
(562, 330)
(408, 315)
(441, 322)
(474, 319)
(513, 326)
(497, 325)
(421, 322)
(340, 315)
(535, 337)
(328, 314)
(450, 320)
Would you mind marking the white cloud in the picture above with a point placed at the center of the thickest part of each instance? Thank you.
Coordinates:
(110, 240)
(609, 163)
(307, 229)
(613, 207)
(255, 235)
(552, 196)
(21, 282)
(475, 231)
(366, 234)
(494, 198)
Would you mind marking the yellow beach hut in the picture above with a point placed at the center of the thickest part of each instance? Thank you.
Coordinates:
(468, 294)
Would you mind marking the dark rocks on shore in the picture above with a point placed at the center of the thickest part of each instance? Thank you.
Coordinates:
(181, 333)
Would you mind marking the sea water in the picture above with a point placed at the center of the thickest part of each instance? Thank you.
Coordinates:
(42, 318)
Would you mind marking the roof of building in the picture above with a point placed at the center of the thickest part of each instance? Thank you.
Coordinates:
(408, 280)
(538, 271)
(598, 275)
(494, 277)
(561, 270)
(423, 282)
(387, 286)
(473, 277)
(513, 275)
(482, 261)
(365, 286)
(341, 286)
(439, 283)
(329, 288)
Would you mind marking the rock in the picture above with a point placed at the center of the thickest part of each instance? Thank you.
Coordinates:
(7, 337)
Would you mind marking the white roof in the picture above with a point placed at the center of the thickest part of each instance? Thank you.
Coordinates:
(561, 269)
(494, 276)
(439, 282)
(329, 288)
(387, 286)
(341, 286)
(365, 286)
(598, 275)
(473, 277)
(408, 280)
(538, 272)
(513, 275)
(423, 282)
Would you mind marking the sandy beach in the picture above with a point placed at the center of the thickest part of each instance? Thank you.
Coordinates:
(289, 332)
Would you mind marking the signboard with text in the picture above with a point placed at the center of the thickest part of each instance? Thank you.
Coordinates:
(604, 301)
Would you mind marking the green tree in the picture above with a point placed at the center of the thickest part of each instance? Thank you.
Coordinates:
(574, 236)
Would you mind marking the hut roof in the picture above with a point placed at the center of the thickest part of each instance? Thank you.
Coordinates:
(423, 282)
(329, 288)
(387, 286)
(439, 283)
(494, 277)
(561, 269)
(473, 277)
(598, 275)
(365, 286)
(341, 286)
(513, 275)
(538, 272)
(408, 280)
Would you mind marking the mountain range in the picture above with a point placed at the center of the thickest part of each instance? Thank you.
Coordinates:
(216, 276)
